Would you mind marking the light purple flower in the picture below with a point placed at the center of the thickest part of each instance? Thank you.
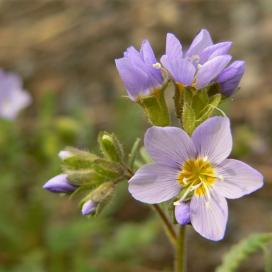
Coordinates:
(195, 169)
(89, 207)
(230, 78)
(59, 184)
(201, 64)
(138, 72)
(13, 98)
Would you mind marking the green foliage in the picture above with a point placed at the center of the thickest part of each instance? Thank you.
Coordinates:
(243, 250)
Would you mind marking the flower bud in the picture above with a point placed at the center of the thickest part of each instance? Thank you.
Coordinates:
(230, 78)
(110, 147)
(89, 207)
(182, 213)
(59, 184)
(65, 154)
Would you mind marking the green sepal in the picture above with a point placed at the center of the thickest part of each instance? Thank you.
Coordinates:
(110, 146)
(155, 107)
(198, 106)
(101, 195)
(78, 160)
(188, 113)
(111, 170)
(179, 99)
(85, 177)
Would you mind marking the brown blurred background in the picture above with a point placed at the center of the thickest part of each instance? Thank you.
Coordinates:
(65, 50)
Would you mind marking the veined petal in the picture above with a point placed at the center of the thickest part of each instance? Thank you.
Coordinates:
(201, 41)
(213, 139)
(147, 53)
(154, 183)
(173, 47)
(169, 145)
(182, 213)
(209, 215)
(214, 51)
(181, 70)
(210, 70)
(239, 179)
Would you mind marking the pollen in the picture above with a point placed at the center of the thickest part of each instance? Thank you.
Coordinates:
(197, 176)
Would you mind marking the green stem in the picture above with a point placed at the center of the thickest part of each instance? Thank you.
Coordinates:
(168, 227)
(180, 251)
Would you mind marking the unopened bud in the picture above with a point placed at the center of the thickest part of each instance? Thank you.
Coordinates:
(59, 184)
(89, 207)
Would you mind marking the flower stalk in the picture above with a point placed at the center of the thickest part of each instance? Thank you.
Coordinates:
(180, 259)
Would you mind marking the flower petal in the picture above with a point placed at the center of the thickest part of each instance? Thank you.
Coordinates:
(169, 145)
(239, 179)
(210, 70)
(182, 213)
(209, 215)
(200, 42)
(133, 78)
(182, 70)
(213, 139)
(173, 47)
(147, 53)
(230, 78)
(154, 183)
(214, 50)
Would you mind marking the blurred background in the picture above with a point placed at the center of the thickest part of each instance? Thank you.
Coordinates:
(65, 50)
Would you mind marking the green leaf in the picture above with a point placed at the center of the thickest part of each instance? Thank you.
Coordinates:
(133, 153)
(241, 251)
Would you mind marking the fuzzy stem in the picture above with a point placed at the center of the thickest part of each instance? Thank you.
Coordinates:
(168, 227)
(180, 251)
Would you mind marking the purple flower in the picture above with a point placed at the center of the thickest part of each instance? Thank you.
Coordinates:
(138, 72)
(12, 96)
(59, 184)
(195, 169)
(201, 64)
(89, 207)
(230, 78)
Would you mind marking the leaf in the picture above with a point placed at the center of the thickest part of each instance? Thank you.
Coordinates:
(133, 153)
(241, 251)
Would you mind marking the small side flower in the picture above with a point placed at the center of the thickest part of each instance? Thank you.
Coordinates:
(13, 98)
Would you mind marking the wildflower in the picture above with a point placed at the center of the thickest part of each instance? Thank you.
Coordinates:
(201, 64)
(13, 97)
(59, 184)
(89, 207)
(196, 172)
(139, 72)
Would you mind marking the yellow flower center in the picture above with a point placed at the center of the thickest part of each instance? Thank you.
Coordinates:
(198, 176)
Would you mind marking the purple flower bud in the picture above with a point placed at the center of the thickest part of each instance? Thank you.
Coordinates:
(89, 207)
(230, 78)
(182, 213)
(59, 184)
(12, 96)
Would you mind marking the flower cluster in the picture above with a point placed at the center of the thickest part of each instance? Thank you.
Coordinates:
(202, 65)
(190, 169)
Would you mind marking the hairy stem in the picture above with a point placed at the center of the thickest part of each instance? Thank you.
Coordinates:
(180, 251)
(168, 227)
